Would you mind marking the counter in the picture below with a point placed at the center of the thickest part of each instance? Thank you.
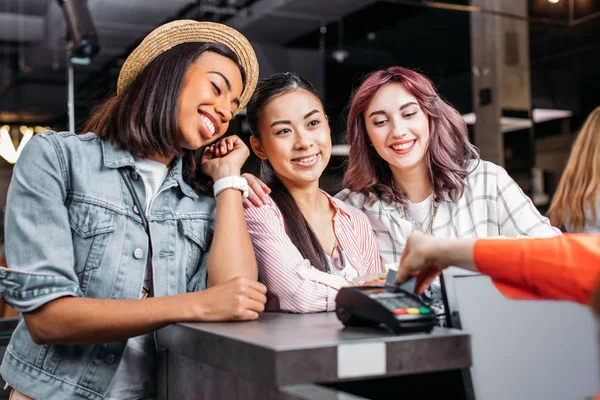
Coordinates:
(291, 356)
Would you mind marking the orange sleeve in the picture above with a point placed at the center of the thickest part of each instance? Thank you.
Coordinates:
(560, 268)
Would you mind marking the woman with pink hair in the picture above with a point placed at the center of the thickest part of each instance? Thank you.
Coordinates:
(411, 167)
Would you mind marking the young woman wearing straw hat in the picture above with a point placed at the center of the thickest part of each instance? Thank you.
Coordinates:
(111, 234)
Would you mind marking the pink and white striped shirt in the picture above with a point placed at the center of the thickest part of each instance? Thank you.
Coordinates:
(293, 284)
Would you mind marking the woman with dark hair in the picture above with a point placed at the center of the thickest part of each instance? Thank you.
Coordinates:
(308, 245)
(112, 234)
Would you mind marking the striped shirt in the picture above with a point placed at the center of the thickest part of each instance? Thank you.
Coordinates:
(293, 284)
(492, 205)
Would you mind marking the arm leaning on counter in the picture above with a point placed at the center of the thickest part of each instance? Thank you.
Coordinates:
(558, 268)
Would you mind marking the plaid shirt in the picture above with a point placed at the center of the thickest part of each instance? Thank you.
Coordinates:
(492, 205)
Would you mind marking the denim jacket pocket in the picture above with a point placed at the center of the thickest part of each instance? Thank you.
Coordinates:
(92, 226)
(196, 232)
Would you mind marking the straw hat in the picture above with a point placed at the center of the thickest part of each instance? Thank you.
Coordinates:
(174, 33)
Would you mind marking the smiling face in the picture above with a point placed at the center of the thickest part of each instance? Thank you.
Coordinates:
(397, 127)
(294, 137)
(209, 97)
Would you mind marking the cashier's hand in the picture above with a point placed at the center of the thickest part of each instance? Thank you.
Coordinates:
(239, 299)
(257, 191)
(426, 256)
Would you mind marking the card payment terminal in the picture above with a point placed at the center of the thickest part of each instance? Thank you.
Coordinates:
(391, 306)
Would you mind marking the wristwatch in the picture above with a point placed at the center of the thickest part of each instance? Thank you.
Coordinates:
(231, 182)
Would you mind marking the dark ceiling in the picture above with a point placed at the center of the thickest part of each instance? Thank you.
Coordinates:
(565, 58)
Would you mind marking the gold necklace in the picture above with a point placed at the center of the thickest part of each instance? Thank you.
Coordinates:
(432, 212)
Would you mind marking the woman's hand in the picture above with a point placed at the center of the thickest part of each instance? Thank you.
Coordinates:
(257, 191)
(238, 299)
(224, 158)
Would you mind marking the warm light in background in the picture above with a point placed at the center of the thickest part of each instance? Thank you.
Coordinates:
(553, 1)
(7, 147)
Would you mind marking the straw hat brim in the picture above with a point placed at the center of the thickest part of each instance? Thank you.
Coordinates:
(171, 34)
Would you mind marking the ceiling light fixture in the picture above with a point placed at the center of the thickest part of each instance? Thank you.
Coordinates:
(340, 55)
(553, 1)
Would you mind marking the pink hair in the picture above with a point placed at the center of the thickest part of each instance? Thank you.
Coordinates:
(448, 152)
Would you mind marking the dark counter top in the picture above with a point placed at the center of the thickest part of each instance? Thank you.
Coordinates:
(282, 349)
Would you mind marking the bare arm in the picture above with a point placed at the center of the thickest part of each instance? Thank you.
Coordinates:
(76, 320)
(231, 253)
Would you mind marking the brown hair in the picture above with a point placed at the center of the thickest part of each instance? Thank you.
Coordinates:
(143, 118)
(448, 153)
(579, 185)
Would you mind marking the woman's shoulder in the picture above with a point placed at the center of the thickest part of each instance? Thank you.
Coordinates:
(347, 207)
(67, 138)
(58, 148)
(359, 200)
(72, 145)
(485, 176)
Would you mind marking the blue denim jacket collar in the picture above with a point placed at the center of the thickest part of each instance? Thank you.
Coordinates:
(177, 174)
(114, 157)
(117, 158)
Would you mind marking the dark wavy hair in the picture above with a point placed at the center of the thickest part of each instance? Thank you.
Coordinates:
(448, 151)
(297, 227)
(143, 118)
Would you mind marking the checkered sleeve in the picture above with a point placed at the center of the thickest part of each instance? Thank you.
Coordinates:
(517, 216)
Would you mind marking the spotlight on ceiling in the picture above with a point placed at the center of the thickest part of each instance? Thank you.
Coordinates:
(340, 55)
(553, 1)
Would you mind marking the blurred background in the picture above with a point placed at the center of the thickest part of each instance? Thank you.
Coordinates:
(523, 73)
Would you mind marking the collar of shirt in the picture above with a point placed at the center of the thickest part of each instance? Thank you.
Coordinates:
(116, 158)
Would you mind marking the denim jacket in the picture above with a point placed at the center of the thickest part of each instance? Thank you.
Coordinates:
(72, 230)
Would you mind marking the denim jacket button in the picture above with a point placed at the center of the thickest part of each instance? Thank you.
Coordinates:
(136, 210)
(138, 253)
(134, 175)
(110, 359)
